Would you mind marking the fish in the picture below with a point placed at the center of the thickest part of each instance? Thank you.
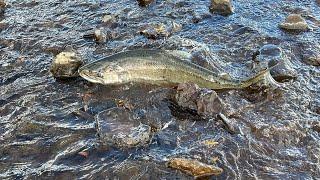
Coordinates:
(158, 67)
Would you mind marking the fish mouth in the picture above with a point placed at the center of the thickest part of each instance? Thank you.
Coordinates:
(89, 75)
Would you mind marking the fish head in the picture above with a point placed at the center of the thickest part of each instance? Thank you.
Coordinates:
(91, 72)
(102, 73)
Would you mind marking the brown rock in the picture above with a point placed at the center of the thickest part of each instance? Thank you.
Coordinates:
(194, 167)
(205, 102)
(155, 31)
(294, 22)
(109, 20)
(66, 65)
(100, 36)
(222, 7)
(3, 5)
(311, 58)
(144, 2)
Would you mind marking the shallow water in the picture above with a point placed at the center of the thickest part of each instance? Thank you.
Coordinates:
(45, 122)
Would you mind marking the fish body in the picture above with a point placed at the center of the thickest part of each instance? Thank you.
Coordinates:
(159, 67)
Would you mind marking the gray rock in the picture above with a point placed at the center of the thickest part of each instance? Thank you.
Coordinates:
(66, 65)
(118, 127)
(294, 22)
(167, 138)
(204, 101)
(269, 55)
(222, 7)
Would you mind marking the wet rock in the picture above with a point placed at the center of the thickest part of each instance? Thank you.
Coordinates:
(270, 55)
(160, 30)
(222, 7)
(66, 65)
(155, 31)
(168, 137)
(316, 127)
(3, 5)
(100, 36)
(194, 168)
(204, 101)
(294, 22)
(108, 19)
(118, 127)
(311, 57)
(144, 2)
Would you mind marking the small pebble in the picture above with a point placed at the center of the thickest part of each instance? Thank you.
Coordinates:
(294, 22)
(222, 7)
(100, 36)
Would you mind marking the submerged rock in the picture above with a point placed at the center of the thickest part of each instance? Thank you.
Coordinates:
(204, 101)
(194, 168)
(160, 30)
(155, 31)
(144, 2)
(222, 7)
(66, 65)
(118, 127)
(294, 22)
(269, 55)
(100, 35)
(311, 57)
(109, 20)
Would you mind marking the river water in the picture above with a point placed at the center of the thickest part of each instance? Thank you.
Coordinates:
(47, 126)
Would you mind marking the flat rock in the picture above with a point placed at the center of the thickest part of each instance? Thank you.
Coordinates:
(119, 127)
(194, 168)
(294, 22)
(222, 7)
(66, 65)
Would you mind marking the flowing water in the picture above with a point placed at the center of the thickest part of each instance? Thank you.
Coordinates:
(47, 126)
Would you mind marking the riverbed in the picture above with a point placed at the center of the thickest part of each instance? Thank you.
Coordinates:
(48, 127)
